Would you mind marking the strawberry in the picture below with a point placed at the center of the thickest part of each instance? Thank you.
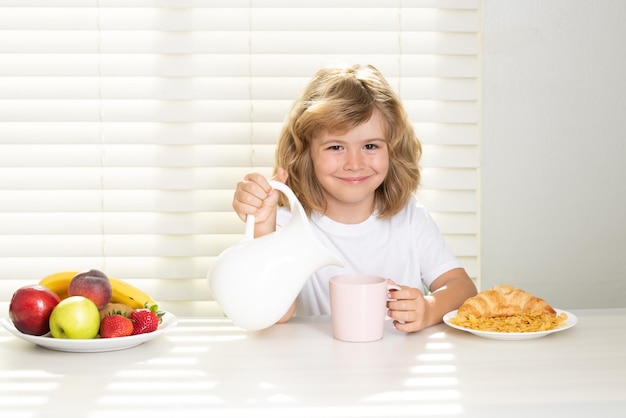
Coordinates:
(145, 320)
(113, 326)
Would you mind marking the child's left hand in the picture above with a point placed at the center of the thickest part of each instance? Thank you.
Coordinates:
(412, 311)
(408, 309)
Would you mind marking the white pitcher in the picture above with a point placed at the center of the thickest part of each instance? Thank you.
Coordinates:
(256, 281)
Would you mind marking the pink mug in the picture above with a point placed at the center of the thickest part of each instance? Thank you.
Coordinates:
(358, 306)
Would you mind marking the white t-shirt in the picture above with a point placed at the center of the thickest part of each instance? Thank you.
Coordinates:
(408, 248)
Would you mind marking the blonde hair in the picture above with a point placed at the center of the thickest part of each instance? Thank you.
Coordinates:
(338, 99)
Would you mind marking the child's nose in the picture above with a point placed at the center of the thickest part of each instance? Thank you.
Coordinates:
(354, 161)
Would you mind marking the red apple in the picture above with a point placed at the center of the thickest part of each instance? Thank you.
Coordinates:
(30, 309)
(92, 284)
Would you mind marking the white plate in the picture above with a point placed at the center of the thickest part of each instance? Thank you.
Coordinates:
(512, 336)
(93, 345)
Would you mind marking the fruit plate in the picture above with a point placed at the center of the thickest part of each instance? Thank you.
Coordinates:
(513, 336)
(93, 345)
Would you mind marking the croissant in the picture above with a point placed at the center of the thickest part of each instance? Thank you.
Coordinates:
(504, 300)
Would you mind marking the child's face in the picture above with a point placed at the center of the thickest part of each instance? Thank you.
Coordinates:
(350, 166)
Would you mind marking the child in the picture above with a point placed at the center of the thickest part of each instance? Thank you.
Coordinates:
(350, 155)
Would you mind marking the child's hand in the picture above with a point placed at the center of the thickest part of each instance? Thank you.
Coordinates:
(408, 309)
(255, 196)
(412, 311)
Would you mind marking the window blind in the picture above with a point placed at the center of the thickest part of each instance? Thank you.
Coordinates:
(125, 125)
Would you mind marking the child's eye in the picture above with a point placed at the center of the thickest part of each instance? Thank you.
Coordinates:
(335, 147)
(371, 146)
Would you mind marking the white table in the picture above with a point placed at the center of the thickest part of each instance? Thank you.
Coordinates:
(208, 368)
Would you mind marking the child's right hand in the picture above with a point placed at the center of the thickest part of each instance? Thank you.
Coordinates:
(255, 196)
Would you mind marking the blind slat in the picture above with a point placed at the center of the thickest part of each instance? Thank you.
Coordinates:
(139, 156)
(193, 133)
(231, 19)
(227, 65)
(214, 88)
(202, 110)
(179, 223)
(92, 41)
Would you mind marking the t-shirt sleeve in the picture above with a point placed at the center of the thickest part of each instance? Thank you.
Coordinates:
(435, 256)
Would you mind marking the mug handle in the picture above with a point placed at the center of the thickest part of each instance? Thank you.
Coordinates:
(390, 287)
(293, 203)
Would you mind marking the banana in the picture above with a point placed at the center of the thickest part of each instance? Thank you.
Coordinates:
(130, 295)
(59, 282)
(122, 292)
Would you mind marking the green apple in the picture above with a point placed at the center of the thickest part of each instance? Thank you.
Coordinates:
(76, 317)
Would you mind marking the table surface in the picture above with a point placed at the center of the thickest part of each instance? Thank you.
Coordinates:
(207, 367)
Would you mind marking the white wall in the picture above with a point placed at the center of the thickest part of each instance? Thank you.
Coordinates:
(553, 186)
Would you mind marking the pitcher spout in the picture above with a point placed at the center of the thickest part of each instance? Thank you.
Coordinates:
(302, 241)
(316, 259)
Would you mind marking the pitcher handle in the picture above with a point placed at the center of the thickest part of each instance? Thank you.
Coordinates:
(293, 202)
